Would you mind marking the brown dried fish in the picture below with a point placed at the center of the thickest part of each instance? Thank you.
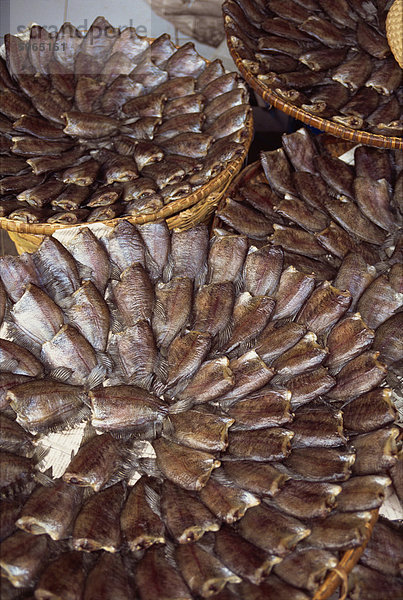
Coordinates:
(348, 338)
(185, 355)
(250, 374)
(328, 429)
(306, 499)
(263, 408)
(354, 72)
(354, 275)
(305, 355)
(51, 510)
(262, 270)
(369, 584)
(349, 216)
(42, 194)
(172, 308)
(384, 551)
(213, 306)
(375, 451)
(83, 174)
(293, 289)
(135, 354)
(325, 306)
(189, 253)
(245, 220)
(339, 531)
(278, 338)
(121, 407)
(14, 439)
(202, 571)
(272, 530)
(134, 295)
(95, 463)
(169, 584)
(226, 257)
(147, 105)
(321, 463)
(22, 557)
(199, 429)
(373, 198)
(63, 577)
(369, 411)
(117, 583)
(185, 516)
(388, 339)
(306, 568)
(18, 360)
(140, 522)
(309, 385)
(213, 379)
(297, 241)
(363, 493)
(125, 246)
(273, 587)
(187, 467)
(272, 443)
(185, 62)
(228, 502)
(97, 526)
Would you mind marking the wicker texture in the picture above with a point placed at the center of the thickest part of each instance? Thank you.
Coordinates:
(394, 30)
(357, 136)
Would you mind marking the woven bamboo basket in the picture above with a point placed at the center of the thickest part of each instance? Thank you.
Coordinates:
(394, 30)
(179, 214)
(346, 133)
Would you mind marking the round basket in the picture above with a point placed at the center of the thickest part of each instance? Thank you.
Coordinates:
(341, 131)
(337, 577)
(182, 213)
(394, 30)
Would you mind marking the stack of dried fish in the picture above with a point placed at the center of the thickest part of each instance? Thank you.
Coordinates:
(329, 57)
(111, 124)
(249, 395)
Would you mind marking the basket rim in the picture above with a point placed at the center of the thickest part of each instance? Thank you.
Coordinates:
(268, 95)
(394, 31)
(172, 208)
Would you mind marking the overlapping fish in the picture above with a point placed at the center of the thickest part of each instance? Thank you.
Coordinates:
(95, 116)
(332, 59)
(239, 423)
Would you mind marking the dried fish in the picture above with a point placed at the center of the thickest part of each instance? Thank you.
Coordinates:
(354, 72)
(355, 276)
(277, 338)
(117, 584)
(375, 451)
(185, 516)
(18, 360)
(263, 408)
(169, 582)
(63, 576)
(272, 443)
(95, 463)
(199, 430)
(97, 526)
(262, 270)
(307, 499)
(136, 353)
(363, 493)
(51, 510)
(213, 304)
(187, 467)
(134, 295)
(348, 338)
(172, 308)
(228, 502)
(213, 379)
(226, 257)
(369, 584)
(14, 439)
(202, 571)
(22, 558)
(293, 289)
(245, 220)
(307, 568)
(125, 246)
(121, 407)
(38, 127)
(325, 306)
(383, 552)
(339, 531)
(305, 355)
(272, 530)
(328, 430)
(274, 587)
(250, 374)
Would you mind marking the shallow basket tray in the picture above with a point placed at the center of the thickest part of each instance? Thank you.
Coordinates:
(269, 96)
(339, 575)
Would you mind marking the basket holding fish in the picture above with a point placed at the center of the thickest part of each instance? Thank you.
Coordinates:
(239, 432)
(111, 125)
(323, 62)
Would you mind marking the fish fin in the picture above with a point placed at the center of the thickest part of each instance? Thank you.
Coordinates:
(10, 364)
(105, 360)
(153, 499)
(40, 453)
(181, 406)
(149, 467)
(62, 374)
(115, 271)
(115, 324)
(44, 479)
(224, 334)
(96, 377)
(201, 276)
(168, 270)
(161, 368)
(85, 272)
(22, 339)
(170, 553)
(159, 310)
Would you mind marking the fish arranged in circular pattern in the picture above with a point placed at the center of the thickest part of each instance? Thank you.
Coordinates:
(111, 124)
(329, 58)
(239, 422)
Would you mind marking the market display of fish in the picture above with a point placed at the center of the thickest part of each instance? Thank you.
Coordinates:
(330, 59)
(83, 117)
(240, 425)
